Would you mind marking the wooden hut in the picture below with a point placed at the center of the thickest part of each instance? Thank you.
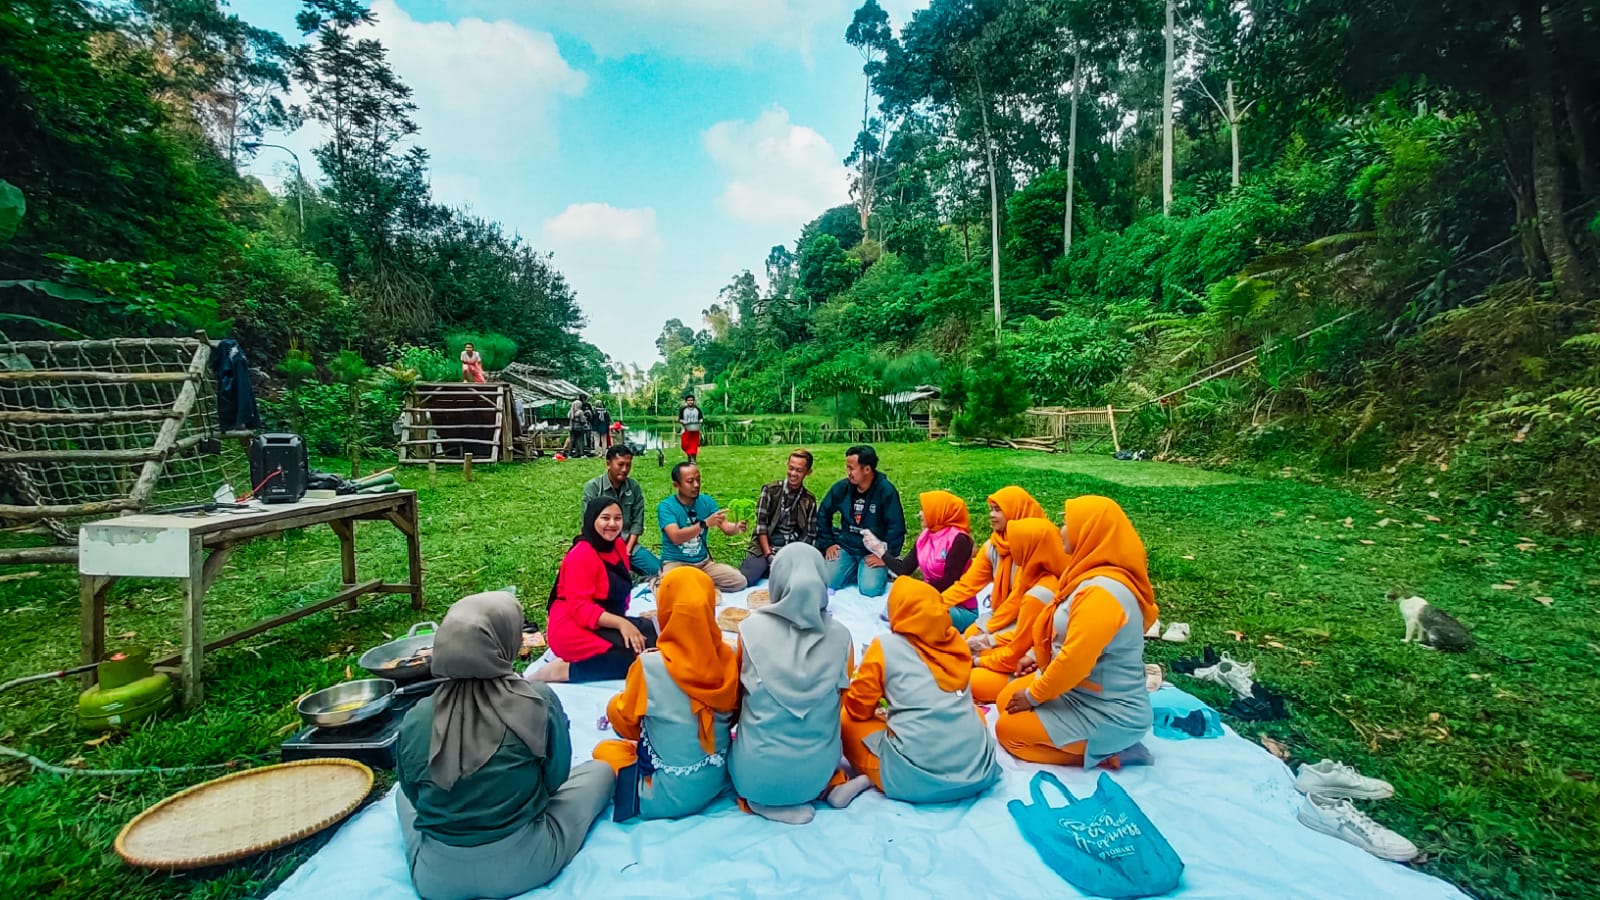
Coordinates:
(920, 406)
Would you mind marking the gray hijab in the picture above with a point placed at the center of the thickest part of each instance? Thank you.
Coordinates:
(797, 653)
(484, 697)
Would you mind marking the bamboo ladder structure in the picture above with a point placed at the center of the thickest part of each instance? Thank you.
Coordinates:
(441, 413)
(90, 429)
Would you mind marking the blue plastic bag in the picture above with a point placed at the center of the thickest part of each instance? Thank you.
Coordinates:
(1104, 846)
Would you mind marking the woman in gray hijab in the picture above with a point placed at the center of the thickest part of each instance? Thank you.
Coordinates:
(488, 805)
(794, 664)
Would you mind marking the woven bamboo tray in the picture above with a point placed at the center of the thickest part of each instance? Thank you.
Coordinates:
(244, 813)
(758, 598)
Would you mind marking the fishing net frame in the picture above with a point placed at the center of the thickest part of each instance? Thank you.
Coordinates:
(94, 428)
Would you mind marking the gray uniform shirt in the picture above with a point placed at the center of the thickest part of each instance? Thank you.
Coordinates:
(936, 748)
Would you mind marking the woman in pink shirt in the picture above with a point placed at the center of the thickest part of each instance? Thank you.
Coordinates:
(588, 627)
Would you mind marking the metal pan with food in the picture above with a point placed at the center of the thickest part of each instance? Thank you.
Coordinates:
(404, 659)
(357, 701)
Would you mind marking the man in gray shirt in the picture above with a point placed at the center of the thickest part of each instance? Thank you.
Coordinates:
(615, 484)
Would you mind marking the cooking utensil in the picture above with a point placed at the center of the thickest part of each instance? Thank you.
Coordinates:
(347, 703)
(402, 651)
(356, 701)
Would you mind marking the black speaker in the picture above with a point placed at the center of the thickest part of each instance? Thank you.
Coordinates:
(280, 466)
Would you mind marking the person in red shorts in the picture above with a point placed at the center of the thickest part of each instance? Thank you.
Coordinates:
(689, 421)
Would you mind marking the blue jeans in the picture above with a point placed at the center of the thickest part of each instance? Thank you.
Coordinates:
(849, 568)
(644, 562)
(962, 618)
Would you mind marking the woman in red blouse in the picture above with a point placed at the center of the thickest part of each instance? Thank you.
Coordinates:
(588, 626)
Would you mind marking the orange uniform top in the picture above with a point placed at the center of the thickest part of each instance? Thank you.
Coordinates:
(691, 646)
(1015, 504)
(1104, 545)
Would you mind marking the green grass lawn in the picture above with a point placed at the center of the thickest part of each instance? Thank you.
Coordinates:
(1493, 763)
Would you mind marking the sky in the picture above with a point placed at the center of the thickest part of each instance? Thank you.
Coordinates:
(655, 147)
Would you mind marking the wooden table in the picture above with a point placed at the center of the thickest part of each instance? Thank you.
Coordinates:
(193, 547)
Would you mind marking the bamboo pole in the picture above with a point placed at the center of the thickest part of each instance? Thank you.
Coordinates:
(111, 456)
(103, 344)
(70, 510)
(146, 483)
(36, 417)
(26, 375)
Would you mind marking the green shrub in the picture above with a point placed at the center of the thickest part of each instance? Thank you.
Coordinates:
(497, 350)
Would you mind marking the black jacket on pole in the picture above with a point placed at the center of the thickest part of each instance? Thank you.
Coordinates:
(236, 398)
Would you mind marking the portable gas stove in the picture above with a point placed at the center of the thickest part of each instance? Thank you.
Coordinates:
(374, 741)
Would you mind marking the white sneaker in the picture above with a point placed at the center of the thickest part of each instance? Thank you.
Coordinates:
(1334, 780)
(1232, 674)
(1341, 819)
(1177, 633)
(1155, 630)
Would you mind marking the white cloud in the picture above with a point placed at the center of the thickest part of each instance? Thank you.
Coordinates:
(602, 223)
(484, 90)
(777, 172)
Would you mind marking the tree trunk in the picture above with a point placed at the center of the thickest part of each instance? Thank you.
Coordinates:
(1072, 151)
(1233, 132)
(1166, 115)
(994, 210)
(1572, 65)
(864, 202)
(1565, 267)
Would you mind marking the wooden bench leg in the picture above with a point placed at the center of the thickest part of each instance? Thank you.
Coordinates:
(405, 519)
(92, 590)
(346, 530)
(194, 636)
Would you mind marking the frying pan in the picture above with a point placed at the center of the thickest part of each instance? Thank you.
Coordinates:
(356, 701)
(403, 648)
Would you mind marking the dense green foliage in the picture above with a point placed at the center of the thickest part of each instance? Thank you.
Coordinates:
(126, 125)
(1425, 181)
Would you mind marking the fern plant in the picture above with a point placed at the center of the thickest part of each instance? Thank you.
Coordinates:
(1578, 407)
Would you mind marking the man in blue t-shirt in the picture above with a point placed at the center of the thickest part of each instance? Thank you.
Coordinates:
(685, 518)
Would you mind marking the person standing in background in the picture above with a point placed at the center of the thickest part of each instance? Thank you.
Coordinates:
(690, 419)
(471, 364)
(600, 422)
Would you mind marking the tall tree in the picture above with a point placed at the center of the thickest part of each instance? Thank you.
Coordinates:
(1166, 109)
(870, 34)
(376, 179)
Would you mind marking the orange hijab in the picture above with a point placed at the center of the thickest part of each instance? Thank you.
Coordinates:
(1015, 503)
(1039, 557)
(917, 614)
(698, 659)
(1105, 544)
(942, 509)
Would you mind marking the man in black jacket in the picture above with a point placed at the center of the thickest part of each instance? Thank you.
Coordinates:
(864, 500)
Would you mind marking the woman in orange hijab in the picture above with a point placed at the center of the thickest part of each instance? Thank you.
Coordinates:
(993, 564)
(1038, 560)
(1087, 704)
(677, 705)
(943, 549)
(928, 743)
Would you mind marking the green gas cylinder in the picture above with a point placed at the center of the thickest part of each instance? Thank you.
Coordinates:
(128, 689)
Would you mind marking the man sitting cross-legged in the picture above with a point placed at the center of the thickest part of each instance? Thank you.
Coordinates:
(685, 517)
